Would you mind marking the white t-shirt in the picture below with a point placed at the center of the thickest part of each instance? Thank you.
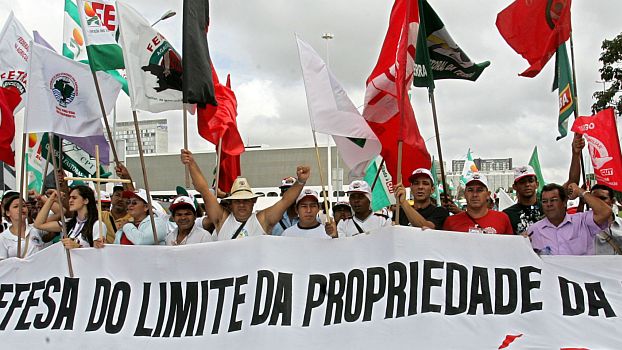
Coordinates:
(75, 233)
(196, 235)
(347, 228)
(231, 225)
(32, 242)
(317, 231)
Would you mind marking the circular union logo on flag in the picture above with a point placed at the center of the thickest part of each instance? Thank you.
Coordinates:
(65, 88)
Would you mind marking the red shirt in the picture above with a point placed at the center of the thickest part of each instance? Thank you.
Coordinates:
(493, 222)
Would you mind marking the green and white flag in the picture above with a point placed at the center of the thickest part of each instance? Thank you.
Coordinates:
(382, 194)
(99, 25)
(437, 54)
(35, 164)
(468, 169)
(75, 160)
(534, 162)
(74, 46)
(564, 85)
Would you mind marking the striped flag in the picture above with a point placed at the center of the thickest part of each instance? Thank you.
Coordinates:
(8, 177)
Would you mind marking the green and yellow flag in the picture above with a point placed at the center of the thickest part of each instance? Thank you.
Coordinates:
(564, 85)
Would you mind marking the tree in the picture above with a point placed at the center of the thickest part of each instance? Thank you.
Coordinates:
(611, 72)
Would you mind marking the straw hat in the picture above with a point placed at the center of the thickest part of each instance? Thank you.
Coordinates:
(241, 189)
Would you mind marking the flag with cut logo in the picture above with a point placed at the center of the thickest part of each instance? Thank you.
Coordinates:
(382, 192)
(564, 85)
(468, 169)
(64, 91)
(535, 29)
(152, 65)
(14, 43)
(601, 134)
(98, 20)
(332, 112)
(437, 55)
(534, 162)
(387, 107)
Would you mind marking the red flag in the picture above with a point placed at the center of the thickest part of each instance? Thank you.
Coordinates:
(602, 139)
(229, 171)
(387, 106)
(9, 99)
(509, 339)
(535, 29)
(216, 122)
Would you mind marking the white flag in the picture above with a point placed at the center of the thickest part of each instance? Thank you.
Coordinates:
(14, 41)
(152, 66)
(332, 112)
(62, 96)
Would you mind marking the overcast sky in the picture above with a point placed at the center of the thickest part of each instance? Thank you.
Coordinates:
(501, 115)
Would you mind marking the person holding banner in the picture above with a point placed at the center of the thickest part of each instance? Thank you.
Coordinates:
(609, 240)
(422, 213)
(560, 233)
(139, 231)
(478, 218)
(31, 237)
(83, 227)
(240, 221)
(307, 208)
(189, 230)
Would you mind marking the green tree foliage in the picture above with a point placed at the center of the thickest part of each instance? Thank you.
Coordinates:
(611, 73)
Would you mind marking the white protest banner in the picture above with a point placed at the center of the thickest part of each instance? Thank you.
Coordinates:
(398, 288)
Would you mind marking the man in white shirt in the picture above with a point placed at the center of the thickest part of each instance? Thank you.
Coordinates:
(363, 220)
(307, 208)
(189, 230)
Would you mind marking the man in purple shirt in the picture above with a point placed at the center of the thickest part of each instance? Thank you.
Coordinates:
(562, 234)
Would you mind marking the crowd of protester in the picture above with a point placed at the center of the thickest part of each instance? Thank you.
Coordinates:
(126, 216)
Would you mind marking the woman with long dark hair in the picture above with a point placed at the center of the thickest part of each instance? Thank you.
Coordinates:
(83, 228)
(30, 237)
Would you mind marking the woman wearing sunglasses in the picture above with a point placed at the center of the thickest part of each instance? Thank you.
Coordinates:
(139, 231)
(83, 228)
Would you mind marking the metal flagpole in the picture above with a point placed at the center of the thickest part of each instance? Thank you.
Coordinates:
(328, 37)
(438, 144)
(142, 165)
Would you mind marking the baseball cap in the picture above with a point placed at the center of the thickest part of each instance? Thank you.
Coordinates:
(520, 172)
(477, 177)
(307, 192)
(105, 196)
(359, 186)
(341, 204)
(183, 202)
(140, 194)
(421, 172)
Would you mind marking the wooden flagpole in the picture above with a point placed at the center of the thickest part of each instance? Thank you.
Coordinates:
(144, 169)
(319, 165)
(218, 160)
(377, 174)
(99, 194)
(60, 201)
(103, 110)
(20, 225)
(187, 171)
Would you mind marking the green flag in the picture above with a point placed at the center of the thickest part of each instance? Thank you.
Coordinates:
(75, 159)
(73, 41)
(438, 187)
(468, 168)
(437, 55)
(534, 162)
(381, 195)
(565, 87)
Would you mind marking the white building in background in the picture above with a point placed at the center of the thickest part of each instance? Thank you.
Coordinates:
(153, 133)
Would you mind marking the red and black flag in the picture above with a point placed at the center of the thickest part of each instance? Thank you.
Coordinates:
(198, 86)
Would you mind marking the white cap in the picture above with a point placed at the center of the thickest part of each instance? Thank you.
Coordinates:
(421, 171)
(477, 177)
(105, 196)
(183, 201)
(140, 194)
(359, 186)
(287, 182)
(307, 192)
(523, 171)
